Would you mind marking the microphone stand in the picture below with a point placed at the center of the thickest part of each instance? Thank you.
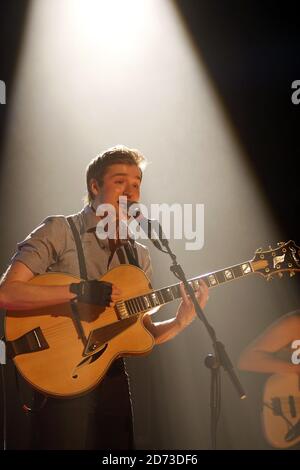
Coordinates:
(212, 361)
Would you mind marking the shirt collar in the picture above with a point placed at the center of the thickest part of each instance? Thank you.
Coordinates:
(90, 219)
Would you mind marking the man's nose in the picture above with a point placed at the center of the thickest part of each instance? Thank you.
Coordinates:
(128, 192)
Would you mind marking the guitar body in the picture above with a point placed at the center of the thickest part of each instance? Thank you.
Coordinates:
(62, 370)
(282, 393)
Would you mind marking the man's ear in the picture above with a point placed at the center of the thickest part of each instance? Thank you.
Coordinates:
(94, 187)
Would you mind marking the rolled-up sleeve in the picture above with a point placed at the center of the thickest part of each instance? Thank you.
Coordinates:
(43, 246)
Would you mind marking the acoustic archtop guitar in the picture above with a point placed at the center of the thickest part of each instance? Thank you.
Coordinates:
(64, 355)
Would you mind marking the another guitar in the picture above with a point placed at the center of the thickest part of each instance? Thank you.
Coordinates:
(281, 411)
(61, 355)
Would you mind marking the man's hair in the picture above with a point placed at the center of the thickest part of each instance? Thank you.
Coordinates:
(114, 155)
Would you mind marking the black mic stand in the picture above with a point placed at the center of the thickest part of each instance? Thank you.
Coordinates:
(212, 361)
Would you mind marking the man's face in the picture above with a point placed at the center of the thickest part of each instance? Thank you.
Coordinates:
(119, 180)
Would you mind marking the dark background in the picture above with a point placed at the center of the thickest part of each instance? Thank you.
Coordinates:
(252, 52)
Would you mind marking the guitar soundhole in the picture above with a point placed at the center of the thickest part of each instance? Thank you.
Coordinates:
(98, 354)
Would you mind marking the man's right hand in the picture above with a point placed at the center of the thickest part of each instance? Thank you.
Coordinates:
(95, 292)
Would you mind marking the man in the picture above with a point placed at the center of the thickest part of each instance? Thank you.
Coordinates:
(102, 418)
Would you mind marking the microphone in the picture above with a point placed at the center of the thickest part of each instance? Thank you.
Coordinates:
(151, 228)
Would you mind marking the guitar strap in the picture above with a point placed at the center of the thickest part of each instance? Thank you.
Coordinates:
(39, 400)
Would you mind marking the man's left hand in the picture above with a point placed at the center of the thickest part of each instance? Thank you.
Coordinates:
(186, 312)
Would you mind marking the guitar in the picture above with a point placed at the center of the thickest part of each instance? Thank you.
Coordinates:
(61, 355)
(281, 410)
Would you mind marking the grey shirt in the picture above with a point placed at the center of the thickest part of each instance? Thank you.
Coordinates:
(51, 247)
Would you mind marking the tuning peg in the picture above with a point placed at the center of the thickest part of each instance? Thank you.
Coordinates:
(292, 273)
(280, 243)
(259, 250)
(280, 275)
(269, 277)
(270, 247)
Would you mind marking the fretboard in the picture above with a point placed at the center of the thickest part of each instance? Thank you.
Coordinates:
(165, 295)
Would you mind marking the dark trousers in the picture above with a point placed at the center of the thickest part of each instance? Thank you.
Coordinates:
(101, 419)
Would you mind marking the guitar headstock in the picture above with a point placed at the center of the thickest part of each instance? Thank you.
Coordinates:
(284, 258)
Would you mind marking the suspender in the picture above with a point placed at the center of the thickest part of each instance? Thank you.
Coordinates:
(130, 250)
(81, 259)
(132, 256)
(131, 253)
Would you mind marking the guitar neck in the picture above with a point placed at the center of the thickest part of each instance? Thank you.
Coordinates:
(165, 295)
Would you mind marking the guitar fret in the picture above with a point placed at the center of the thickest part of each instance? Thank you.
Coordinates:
(168, 295)
(128, 307)
(154, 299)
(220, 277)
(170, 291)
(150, 301)
(213, 281)
(136, 305)
(238, 270)
(147, 302)
(246, 268)
(141, 308)
(177, 291)
(141, 300)
(163, 294)
(160, 297)
(191, 284)
(145, 305)
(229, 274)
(133, 306)
(140, 303)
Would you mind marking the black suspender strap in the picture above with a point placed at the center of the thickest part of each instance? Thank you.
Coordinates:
(81, 260)
(83, 275)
